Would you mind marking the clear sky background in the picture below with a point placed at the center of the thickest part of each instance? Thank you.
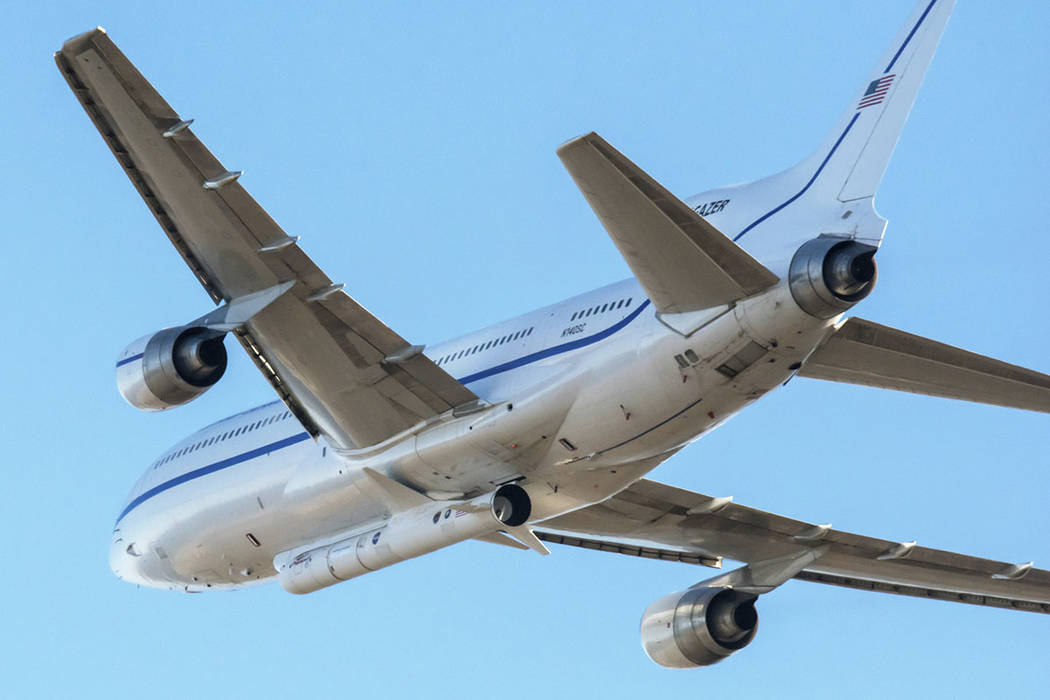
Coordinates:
(412, 147)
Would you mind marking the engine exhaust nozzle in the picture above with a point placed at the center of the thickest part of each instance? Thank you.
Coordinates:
(829, 274)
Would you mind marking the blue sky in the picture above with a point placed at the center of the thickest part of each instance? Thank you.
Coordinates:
(412, 147)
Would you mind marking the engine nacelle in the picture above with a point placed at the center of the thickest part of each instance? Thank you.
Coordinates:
(830, 274)
(406, 535)
(698, 627)
(171, 367)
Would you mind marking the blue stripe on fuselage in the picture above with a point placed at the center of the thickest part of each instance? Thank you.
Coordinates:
(556, 350)
(211, 469)
(286, 442)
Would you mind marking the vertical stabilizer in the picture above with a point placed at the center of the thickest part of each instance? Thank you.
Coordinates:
(852, 160)
(838, 181)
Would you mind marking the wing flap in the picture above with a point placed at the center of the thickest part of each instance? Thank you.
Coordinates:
(652, 515)
(870, 354)
(683, 262)
(322, 352)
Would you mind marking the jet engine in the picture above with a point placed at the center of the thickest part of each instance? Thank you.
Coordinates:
(171, 367)
(830, 274)
(698, 627)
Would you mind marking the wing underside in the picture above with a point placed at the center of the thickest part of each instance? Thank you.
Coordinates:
(683, 262)
(870, 354)
(657, 521)
(340, 369)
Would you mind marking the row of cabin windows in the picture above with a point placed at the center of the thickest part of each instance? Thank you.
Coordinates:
(224, 436)
(481, 347)
(622, 304)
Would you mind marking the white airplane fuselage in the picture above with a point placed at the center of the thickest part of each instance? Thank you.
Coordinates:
(581, 399)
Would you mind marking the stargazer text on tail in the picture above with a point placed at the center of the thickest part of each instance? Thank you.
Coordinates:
(539, 429)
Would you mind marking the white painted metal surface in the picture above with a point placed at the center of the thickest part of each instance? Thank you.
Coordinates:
(376, 442)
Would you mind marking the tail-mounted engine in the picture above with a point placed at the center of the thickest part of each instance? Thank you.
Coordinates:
(698, 627)
(171, 367)
(830, 274)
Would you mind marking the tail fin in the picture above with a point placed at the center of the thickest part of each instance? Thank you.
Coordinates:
(850, 163)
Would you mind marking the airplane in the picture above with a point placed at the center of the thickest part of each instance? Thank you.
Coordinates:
(538, 430)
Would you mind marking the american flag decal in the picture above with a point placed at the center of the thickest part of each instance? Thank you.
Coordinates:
(876, 91)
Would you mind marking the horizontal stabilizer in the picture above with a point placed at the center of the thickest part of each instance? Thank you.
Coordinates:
(862, 352)
(683, 262)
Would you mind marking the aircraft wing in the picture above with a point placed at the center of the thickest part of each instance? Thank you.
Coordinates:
(658, 521)
(683, 262)
(867, 353)
(338, 368)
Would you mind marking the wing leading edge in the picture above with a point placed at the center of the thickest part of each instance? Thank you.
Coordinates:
(339, 368)
(665, 522)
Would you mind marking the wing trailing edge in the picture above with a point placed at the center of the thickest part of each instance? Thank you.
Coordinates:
(659, 521)
(342, 371)
(683, 262)
(870, 354)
